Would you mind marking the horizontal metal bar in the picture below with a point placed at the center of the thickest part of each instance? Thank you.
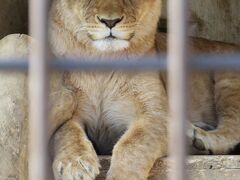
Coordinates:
(215, 62)
(10, 64)
(206, 62)
(141, 64)
(148, 63)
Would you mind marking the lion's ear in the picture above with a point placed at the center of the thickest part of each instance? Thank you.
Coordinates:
(13, 110)
(15, 45)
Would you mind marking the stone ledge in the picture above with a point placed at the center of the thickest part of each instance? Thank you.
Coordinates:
(199, 168)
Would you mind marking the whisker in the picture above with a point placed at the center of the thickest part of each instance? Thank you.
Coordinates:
(94, 25)
(79, 29)
(96, 29)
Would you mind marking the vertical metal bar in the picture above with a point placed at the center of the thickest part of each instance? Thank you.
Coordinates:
(177, 69)
(38, 157)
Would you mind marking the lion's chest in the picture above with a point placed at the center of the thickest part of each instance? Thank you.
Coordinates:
(106, 108)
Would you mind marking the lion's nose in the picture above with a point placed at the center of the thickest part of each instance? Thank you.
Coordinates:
(111, 23)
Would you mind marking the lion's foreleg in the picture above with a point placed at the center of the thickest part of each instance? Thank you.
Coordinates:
(227, 100)
(74, 155)
(146, 139)
(136, 152)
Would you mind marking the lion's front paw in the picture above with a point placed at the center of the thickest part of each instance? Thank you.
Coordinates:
(123, 175)
(200, 141)
(207, 140)
(127, 167)
(76, 168)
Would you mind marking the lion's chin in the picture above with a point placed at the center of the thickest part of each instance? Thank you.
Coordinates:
(111, 44)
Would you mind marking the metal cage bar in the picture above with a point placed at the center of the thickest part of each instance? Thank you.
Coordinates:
(204, 62)
(177, 78)
(38, 92)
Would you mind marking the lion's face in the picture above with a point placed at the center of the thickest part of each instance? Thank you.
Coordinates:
(110, 25)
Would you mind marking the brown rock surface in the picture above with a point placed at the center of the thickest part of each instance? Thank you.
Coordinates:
(13, 17)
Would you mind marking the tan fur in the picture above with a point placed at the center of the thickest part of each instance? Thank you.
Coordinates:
(14, 108)
(13, 112)
(127, 111)
(214, 100)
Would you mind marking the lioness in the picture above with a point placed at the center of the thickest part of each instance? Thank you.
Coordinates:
(125, 113)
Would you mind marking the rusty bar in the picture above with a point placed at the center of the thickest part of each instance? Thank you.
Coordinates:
(38, 90)
(177, 78)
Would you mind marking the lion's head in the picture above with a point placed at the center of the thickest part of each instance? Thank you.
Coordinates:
(110, 25)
